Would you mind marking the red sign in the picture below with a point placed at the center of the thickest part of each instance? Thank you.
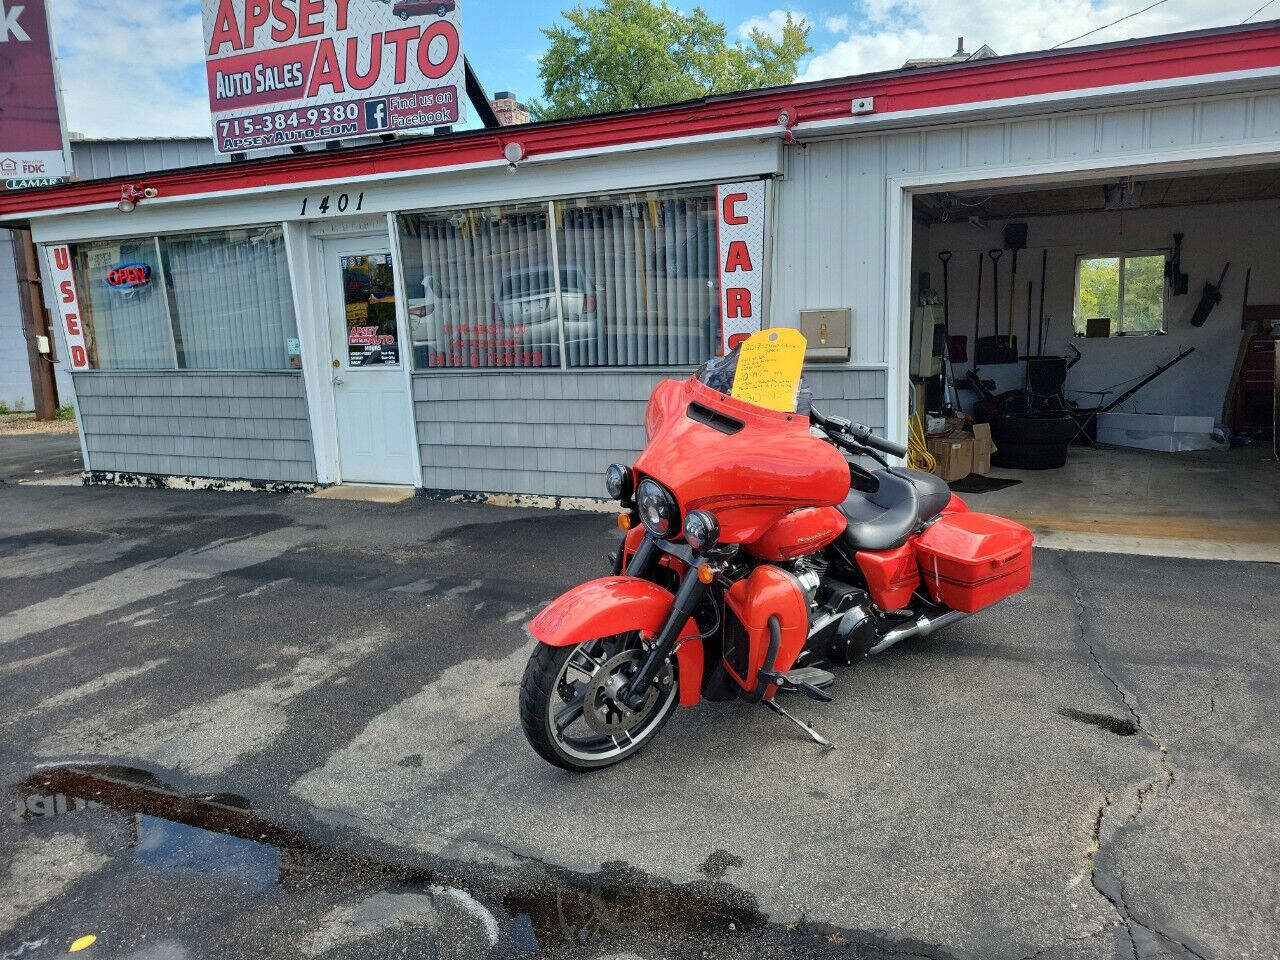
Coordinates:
(64, 283)
(127, 276)
(30, 119)
(284, 73)
(740, 231)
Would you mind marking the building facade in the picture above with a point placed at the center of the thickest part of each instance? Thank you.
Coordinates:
(487, 312)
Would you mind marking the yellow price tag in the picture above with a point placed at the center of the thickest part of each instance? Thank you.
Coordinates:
(769, 366)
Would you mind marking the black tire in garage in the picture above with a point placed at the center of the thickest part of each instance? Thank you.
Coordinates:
(1030, 456)
(1041, 430)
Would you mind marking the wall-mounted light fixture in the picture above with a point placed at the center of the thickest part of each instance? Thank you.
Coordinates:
(514, 153)
(131, 194)
(788, 117)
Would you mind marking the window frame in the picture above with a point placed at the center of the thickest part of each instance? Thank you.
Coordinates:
(621, 195)
(155, 239)
(1117, 330)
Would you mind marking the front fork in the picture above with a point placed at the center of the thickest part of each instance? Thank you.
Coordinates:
(690, 594)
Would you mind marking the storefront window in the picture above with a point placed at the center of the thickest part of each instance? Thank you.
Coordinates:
(232, 305)
(480, 289)
(212, 301)
(621, 281)
(640, 279)
(125, 317)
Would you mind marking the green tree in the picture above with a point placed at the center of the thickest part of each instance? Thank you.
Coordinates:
(640, 53)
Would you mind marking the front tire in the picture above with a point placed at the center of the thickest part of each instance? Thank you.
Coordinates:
(560, 726)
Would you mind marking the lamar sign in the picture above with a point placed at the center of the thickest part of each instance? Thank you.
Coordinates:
(285, 72)
(31, 141)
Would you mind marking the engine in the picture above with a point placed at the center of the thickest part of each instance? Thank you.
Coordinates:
(809, 571)
(840, 625)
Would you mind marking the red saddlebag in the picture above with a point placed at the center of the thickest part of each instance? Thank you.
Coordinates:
(971, 560)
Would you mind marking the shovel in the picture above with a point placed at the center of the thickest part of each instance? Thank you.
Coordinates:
(1210, 297)
(996, 349)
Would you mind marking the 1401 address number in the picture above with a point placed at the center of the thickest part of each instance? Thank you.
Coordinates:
(332, 203)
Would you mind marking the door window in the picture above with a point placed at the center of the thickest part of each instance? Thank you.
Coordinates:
(368, 292)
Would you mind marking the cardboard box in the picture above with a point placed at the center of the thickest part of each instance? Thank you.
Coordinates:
(954, 454)
(983, 448)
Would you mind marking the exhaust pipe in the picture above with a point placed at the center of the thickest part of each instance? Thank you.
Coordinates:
(922, 627)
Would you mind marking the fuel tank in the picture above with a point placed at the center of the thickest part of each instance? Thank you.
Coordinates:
(798, 533)
(747, 465)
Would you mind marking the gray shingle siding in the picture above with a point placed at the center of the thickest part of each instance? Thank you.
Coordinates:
(250, 426)
(555, 433)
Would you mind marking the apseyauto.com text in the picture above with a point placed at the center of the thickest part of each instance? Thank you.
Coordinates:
(282, 137)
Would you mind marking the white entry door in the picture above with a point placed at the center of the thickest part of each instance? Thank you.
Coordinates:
(370, 389)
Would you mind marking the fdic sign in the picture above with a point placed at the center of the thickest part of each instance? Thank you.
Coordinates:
(31, 139)
(287, 72)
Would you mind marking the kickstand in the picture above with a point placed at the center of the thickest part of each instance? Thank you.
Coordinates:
(814, 735)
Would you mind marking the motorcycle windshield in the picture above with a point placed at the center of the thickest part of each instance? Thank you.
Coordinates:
(764, 370)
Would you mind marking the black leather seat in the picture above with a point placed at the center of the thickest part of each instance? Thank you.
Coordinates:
(932, 492)
(885, 518)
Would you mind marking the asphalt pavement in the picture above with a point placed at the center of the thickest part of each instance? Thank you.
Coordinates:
(268, 725)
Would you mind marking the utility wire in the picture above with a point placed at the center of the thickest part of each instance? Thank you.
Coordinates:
(1258, 11)
(1114, 22)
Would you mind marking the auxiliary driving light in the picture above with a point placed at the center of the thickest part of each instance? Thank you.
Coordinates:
(618, 481)
(702, 530)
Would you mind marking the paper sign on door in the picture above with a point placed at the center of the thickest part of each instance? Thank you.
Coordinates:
(769, 367)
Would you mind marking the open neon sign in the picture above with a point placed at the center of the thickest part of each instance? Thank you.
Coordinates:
(129, 276)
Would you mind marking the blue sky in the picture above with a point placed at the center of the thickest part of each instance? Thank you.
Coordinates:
(135, 69)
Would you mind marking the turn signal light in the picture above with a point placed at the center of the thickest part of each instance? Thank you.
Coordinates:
(624, 520)
(705, 573)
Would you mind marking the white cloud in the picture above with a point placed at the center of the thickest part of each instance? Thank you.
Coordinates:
(893, 31)
(134, 69)
(771, 23)
(836, 24)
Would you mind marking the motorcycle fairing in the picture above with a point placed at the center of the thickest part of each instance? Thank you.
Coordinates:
(747, 465)
(768, 592)
(613, 605)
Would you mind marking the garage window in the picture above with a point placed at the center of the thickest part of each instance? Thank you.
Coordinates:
(1126, 290)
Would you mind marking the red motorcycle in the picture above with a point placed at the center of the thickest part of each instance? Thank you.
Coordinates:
(756, 556)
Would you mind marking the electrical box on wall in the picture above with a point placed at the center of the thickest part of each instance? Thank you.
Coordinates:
(828, 333)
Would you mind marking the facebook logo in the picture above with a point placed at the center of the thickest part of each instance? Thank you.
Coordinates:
(375, 115)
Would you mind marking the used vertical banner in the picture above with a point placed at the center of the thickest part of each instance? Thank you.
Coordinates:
(64, 287)
(740, 211)
(286, 72)
(31, 138)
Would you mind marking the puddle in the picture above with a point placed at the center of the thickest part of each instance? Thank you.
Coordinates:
(338, 903)
(1120, 726)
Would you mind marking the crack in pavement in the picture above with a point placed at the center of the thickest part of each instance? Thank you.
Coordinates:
(1109, 885)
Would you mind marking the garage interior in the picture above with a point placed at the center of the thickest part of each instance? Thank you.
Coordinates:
(1119, 337)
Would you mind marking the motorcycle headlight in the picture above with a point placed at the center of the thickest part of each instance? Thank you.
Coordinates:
(618, 481)
(702, 530)
(659, 511)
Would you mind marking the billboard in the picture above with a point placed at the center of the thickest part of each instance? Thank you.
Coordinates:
(31, 137)
(291, 72)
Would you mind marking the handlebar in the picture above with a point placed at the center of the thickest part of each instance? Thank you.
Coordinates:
(860, 433)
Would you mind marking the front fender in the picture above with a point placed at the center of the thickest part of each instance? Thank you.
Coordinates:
(611, 605)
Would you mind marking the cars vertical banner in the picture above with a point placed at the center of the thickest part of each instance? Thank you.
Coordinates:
(740, 212)
(63, 280)
(32, 143)
(289, 72)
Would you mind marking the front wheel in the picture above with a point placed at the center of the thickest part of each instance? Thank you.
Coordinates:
(571, 707)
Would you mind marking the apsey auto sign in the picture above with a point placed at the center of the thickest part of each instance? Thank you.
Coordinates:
(30, 121)
(285, 72)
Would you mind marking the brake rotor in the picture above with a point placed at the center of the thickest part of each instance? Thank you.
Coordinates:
(602, 706)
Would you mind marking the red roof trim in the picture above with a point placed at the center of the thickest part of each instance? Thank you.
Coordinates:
(1178, 56)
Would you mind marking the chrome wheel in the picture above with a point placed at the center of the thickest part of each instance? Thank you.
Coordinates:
(572, 707)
